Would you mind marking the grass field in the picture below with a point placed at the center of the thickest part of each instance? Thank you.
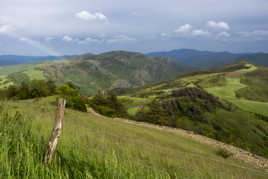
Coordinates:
(95, 147)
(228, 92)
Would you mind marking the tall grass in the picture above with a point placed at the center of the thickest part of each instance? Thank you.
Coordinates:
(93, 147)
(22, 152)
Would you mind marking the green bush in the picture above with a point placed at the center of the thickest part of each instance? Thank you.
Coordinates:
(73, 98)
(224, 153)
(108, 104)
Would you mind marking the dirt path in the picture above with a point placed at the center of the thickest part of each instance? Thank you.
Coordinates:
(240, 154)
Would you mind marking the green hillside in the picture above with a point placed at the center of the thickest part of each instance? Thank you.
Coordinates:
(209, 102)
(97, 147)
(90, 73)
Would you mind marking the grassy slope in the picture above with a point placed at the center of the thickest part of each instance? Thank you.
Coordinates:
(127, 151)
(221, 84)
(228, 92)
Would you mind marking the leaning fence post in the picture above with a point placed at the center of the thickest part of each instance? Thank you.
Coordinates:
(56, 132)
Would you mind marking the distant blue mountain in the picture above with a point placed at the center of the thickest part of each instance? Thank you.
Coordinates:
(208, 59)
(199, 59)
(6, 60)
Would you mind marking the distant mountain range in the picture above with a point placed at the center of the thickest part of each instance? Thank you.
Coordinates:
(187, 57)
(7, 60)
(208, 59)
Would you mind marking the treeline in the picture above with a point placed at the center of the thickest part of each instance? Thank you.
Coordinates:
(41, 88)
(29, 90)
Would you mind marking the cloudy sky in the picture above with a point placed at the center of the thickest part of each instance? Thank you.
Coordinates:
(56, 27)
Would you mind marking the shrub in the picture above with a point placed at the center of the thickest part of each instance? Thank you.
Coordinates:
(76, 102)
(108, 104)
(73, 98)
(224, 153)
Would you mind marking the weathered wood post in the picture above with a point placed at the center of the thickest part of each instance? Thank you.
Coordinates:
(56, 132)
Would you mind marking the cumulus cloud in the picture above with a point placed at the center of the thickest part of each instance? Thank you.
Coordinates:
(224, 34)
(183, 28)
(199, 32)
(67, 38)
(218, 25)
(87, 16)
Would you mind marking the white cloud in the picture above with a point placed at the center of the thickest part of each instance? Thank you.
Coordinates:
(120, 38)
(85, 15)
(218, 25)
(67, 38)
(224, 34)
(199, 32)
(89, 40)
(183, 28)
(5, 28)
(93, 40)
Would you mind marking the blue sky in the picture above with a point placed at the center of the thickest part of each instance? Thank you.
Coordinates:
(56, 27)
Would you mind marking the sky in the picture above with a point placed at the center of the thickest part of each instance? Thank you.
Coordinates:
(66, 27)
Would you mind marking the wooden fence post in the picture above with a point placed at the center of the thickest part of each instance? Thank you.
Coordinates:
(56, 132)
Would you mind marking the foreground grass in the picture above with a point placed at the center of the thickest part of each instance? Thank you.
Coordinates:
(93, 147)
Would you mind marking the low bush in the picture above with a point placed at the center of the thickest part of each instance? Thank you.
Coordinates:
(73, 98)
(224, 153)
(107, 104)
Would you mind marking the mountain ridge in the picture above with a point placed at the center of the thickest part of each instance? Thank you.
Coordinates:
(208, 59)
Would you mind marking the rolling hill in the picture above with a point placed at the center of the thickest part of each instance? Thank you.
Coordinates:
(217, 103)
(90, 72)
